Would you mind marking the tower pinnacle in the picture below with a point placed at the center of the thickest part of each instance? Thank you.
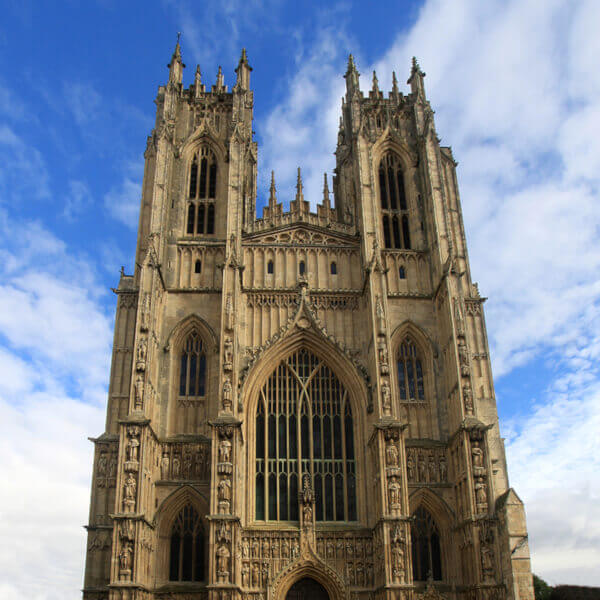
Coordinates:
(243, 71)
(272, 191)
(326, 201)
(351, 76)
(176, 65)
(415, 80)
(299, 188)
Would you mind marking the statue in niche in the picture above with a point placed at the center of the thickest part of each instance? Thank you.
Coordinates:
(164, 466)
(228, 354)
(443, 468)
(245, 548)
(125, 558)
(142, 352)
(422, 466)
(255, 548)
(480, 493)
(265, 548)
(386, 399)
(227, 393)
(383, 357)
(102, 465)
(487, 563)
(229, 316)
(225, 451)
(432, 468)
(307, 501)
(468, 398)
(223, 555)
(176, 466)
(133, 444)
(391, 453)
(129, 489)
(224, 495)
(463, 357)
(255, 575)
(394, 493)
(295, 549)
(285, 548)
(410, 466)
(145, 313)
(245, 574)
(139, 391)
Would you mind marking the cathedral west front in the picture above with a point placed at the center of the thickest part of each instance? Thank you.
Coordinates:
(301, 404)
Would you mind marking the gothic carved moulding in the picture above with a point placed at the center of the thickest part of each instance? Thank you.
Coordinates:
(185, 461)
(350, 555)
(301, 237)
(426, 465)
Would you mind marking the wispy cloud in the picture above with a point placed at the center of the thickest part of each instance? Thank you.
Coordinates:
(123, 201)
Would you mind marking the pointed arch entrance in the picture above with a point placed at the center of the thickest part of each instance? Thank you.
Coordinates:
(307, 588)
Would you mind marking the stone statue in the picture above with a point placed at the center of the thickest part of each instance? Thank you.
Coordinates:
(229, 316)
(176, 466)
(443, 468)
(142, 352)
(125, 556)
(383, 357)
(225, 451)
(139, 391)
(245, 548)
(410, 466)
(223, 555)
(164, 466)
(227, 391)
(380, 316)
(129, 489)
(463, 357)
(394, 493)
(133, 444)
(391, 452)
(245, 573)
(227, 354)
(386, 399)
(468, 398)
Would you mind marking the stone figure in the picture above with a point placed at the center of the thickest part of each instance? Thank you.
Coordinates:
(227, 391)
(133, 444)
(142, 352)
(145, 312)
(245, 574)
(265, 548)
(463, 357)
(422, 466)
(164, 466)
(255, 575)
(245, 548)
(468, 398)
(443, 468)
(223, 555)
(386, 399)
(383, 357)
(380, 316)
(477, 455)
(410, 466)
(229, 315)
(176, 466)
(129, 490)
(255, 548)
(228, 354)
(224, 494)
(394, 493)
(391, 453)
(125, 556)
(432, 468)
(295, 549)
(480, 493)
(139, 391)
(225, 451)
(285, 548)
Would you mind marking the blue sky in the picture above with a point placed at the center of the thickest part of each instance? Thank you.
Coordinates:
(516, 90)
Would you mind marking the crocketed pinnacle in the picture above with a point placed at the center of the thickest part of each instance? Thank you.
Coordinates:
(394, 83)
(375, 83)
(220, 78)
(299, 192)
(272, 190)
(325, 190)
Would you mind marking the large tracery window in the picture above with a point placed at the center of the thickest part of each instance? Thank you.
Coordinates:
(394, 208)
(202, 193)
(304, 426)
(410, 373)
(186, 560)
(192, 373)
(426, 551)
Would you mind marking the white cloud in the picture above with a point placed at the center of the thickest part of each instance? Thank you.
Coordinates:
(123, 201)
(78, 199)
(54, 360)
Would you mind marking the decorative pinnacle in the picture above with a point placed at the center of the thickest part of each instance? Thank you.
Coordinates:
(272, 190)
(394, 83)
(375, 83)
(220, 78)
(351, 66)
(325, 190)
(415, 67)
(299, 193)
(198, 76)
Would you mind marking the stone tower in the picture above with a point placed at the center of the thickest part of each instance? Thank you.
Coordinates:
(301, 404)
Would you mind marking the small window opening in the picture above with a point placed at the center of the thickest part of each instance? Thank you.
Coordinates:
(302, 267)
(198, 267)
(402, 273)
(333, 268)
(270, 267)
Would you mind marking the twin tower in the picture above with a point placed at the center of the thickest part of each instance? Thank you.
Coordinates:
(301, 405)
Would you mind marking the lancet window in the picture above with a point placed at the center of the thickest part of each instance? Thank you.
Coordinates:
(192, 371)
(202, 193)
(426, 549)
(394, 207)
(304, 426)
(410, 372)
(186, 560)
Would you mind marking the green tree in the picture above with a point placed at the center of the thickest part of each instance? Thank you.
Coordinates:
(541, 589)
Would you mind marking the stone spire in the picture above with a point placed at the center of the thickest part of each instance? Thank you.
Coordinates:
(220, 84)
(375, 85)
(176, 65)
(415, 80)
(299, 192)
(395, 91)
(351, 77)
(243, 72)
(272, 191)
(326, 201)
(198, 87)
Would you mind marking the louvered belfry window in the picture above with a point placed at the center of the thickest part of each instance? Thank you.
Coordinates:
(394, 208)
(202, 193)
(304, 426)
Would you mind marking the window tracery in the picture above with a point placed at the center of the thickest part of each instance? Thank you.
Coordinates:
(304, 425)
(426, 547)
(186, 559)
(394, 207)
(410, 372)
(192, 368)
(202, 193)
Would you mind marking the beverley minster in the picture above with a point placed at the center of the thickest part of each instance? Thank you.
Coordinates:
(301, 404)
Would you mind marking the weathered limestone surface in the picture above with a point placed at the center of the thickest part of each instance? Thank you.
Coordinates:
(357, 327)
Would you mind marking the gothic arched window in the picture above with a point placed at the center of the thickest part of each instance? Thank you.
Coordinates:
(304, 426)
(426, 550)
(202, 193)
(192, 373)
(270, 267)
(396, 233)
(410, 372)
(186, 560)
(333, 268)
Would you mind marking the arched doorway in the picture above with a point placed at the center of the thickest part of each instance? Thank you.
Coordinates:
(307, 589)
